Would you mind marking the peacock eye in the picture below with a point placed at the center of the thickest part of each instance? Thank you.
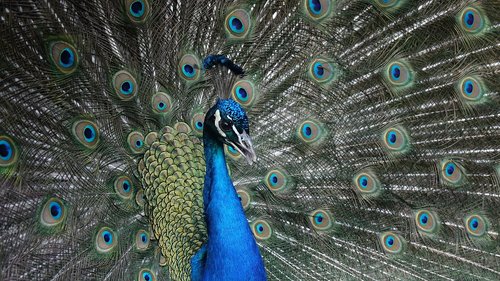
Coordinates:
(226, 126)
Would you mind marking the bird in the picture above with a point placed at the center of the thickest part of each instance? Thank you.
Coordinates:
(249, 140)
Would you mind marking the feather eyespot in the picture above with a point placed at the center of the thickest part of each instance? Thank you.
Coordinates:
(398, 73)
(277, 180)
(125, 85)
(64, 56)
(135, 142)
(142, 239)
(53, 212)
(476, 225)
(310, 131)
(189, 67)
(472, 20)
(426, 221)
(237, 24)
(321, 71)
(395, 139)
(146, 275)
(245, 198)
(8, 151)
(451, 173)
(321, 220)
(470, 89)
(367, 184)
(318, 9)
(137, 10)
(391, 242)
(232, 152)
(197, 123)
(244, 92)
(106, 240)
(161, 103)
(86, 133)
(124, 187)
(261, 229)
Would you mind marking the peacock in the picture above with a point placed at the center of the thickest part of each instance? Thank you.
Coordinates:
(249, 140)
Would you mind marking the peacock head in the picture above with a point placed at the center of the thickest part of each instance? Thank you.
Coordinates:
(227, 122)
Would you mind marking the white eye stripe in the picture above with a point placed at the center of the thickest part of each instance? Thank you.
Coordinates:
(217, 120)
(237, 133)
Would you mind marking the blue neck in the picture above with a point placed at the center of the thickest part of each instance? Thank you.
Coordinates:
(232, 253)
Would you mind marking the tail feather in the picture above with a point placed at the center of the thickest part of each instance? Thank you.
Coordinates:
(375, 124)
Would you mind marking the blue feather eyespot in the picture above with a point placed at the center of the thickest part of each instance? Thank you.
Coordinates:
(189, 67)
(124, 187)
(146, 275)
(277, 180)
(107, 237)
(244, 92)
(367, 184)
(105, 240)
(451, 173)
(321, 220)
(317, 9)
(8, 151)
(161, 103)
(395, 139)
(53, 212)
(232, 152)
(86, 133)
(124, 85)
(470, 89)
(135, 142)
(67, 58)
(476, 225)
(426, 221)
(127, 87)
(392, 243)
(261, 229)
(142, 239)
(237, 24)
(245, 198)
(321, 71)
(395, 72)
(197, 122)
(472, 20)
(398, 73)
(310, 131)
(188, 70)
(64, 56)
(241, 93)
(89, 133)
(139, 198)
(137, 10)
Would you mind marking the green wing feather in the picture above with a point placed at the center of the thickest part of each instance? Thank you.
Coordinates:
(173, 172)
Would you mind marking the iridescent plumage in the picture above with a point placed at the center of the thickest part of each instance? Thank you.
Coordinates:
(374, 145)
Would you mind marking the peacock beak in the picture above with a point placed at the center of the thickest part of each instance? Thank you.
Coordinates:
(245, 147)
